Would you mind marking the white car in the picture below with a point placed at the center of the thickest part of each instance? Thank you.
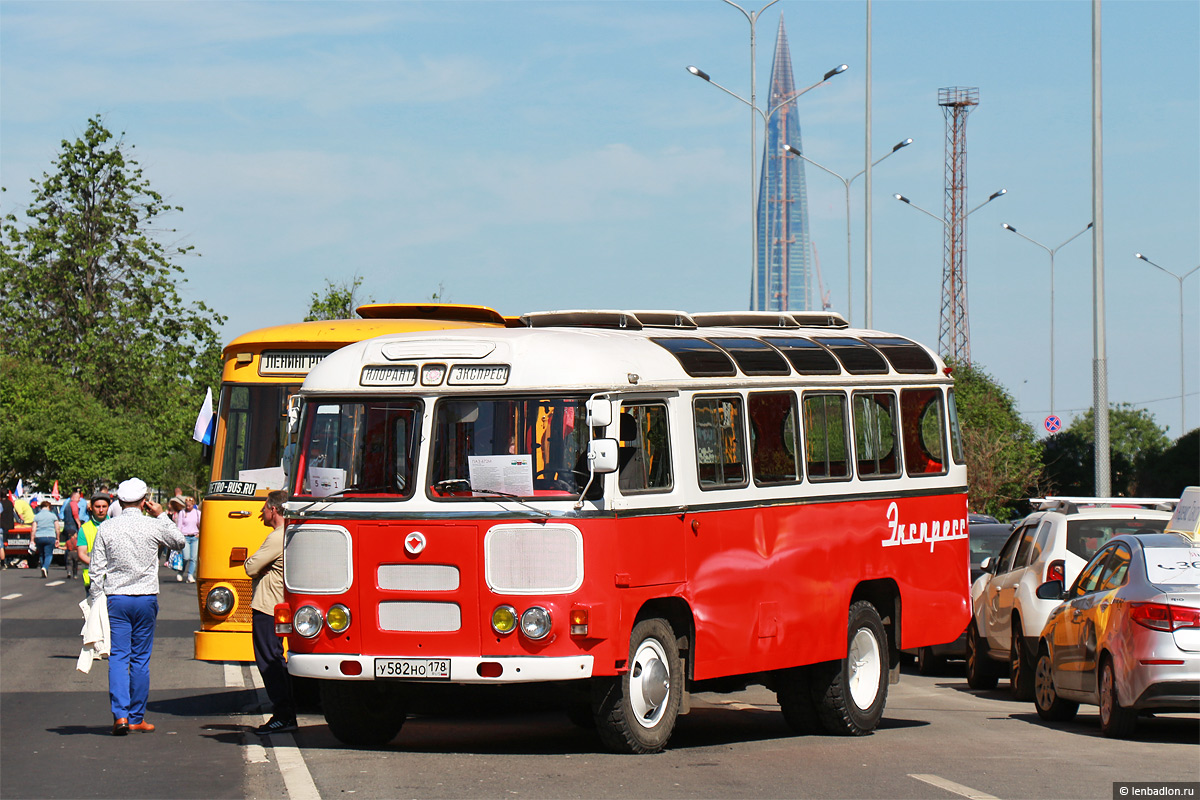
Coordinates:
(1053, 543)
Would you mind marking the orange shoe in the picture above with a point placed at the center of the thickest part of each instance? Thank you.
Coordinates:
(143, 726)
(120, 727)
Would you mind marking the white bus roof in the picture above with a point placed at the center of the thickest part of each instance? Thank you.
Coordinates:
(615, 351)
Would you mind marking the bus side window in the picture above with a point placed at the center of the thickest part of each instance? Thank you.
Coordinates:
(825, 436)
(720, 442)
(644, 449)
(875, 434)
(773, 448)
(924, 427)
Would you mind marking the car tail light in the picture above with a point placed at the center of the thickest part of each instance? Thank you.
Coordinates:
(1057, 571)
(1163, 617)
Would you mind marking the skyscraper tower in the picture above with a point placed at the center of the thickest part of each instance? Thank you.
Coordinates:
(785, 280)
(954, 331)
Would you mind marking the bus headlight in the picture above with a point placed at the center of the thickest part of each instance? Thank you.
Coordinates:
(307, 621)
(535, 622)
(504, 619)
(219, 601)
(338, 618)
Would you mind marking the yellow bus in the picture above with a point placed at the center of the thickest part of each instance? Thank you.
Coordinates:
(250, 451)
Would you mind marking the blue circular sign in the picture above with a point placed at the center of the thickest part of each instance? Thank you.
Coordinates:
(1053, 423)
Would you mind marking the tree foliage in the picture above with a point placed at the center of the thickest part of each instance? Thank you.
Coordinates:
(339, 301)
(91, 313)
(1135, 441)
(1001, 449)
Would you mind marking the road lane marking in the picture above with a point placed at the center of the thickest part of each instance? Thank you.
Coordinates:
(956, 788)
(296, 777)
(255, 754)
(10, 597)
(56, 583)
(233, 676)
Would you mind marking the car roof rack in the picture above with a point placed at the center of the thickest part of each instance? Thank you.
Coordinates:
(1071, 505)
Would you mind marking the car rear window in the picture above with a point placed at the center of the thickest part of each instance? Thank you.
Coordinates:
(1086, 536)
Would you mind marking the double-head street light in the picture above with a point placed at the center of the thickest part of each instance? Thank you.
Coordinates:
(1051, 251)
(755, 112)
(846, 183)
(1181, 279)
(943, 220)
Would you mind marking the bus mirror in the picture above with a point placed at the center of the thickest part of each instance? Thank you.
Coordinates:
(602, 456)
(293, 413)
(599, 413)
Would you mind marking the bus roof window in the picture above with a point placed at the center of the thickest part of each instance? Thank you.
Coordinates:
(907, 358)
(753, 356)
(699, 358)
(858, 357)
(808, 357)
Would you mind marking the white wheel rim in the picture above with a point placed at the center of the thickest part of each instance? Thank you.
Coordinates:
(865, 666)
(649, 683)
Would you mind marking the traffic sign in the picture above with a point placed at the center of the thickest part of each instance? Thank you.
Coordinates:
(1053, 423)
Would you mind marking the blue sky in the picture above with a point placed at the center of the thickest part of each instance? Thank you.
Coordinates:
(536, 155)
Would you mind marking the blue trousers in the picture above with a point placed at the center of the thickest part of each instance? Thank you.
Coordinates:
(46, 548)
(131, 621)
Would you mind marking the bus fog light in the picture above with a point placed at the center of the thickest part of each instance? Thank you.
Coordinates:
(307, 621)
(338, 618)
(219, 601)
(535, 622)
(504, 619)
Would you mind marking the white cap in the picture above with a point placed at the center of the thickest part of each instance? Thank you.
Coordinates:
(132, 490)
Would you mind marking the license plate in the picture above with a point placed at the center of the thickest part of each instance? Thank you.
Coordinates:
(418, 668)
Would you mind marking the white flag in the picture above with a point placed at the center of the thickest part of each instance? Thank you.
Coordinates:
(205, 421)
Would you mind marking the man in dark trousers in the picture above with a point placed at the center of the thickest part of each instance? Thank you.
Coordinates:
(266, 568)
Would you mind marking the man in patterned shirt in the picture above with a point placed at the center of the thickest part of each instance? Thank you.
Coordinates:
(124, 572)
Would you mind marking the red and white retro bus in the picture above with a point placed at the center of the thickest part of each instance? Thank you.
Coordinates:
(645, 504)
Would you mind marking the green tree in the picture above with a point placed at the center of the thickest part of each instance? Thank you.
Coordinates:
(1166, 474)
(87, 291)
(1001, 449)
(339, 301)
(1134, 439)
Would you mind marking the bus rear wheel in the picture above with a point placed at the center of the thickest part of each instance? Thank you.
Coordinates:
(850, 694)
(363, 713)
(636, 711)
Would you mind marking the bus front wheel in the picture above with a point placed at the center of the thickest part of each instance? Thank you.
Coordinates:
(635, 712)
(363, 713)
(850, 693)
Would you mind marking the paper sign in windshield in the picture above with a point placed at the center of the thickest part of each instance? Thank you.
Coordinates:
(1173, 566)
(511, 474)
(324, 481)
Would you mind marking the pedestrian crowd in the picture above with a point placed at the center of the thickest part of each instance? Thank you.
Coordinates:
(117, 545)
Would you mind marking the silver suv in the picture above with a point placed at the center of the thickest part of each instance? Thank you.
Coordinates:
(1053, 543)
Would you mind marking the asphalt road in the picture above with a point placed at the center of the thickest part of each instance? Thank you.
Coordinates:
(938, 739)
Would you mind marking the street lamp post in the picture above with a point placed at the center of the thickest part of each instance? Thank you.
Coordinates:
(1182, 393)
(755, 112)
(846, 183)
(1051, 251)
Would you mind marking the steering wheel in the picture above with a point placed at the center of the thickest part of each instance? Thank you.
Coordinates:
(553, 483)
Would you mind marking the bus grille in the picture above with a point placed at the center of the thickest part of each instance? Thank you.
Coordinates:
(418, 577)
(415, 617)
(534, 559)
(317, 560)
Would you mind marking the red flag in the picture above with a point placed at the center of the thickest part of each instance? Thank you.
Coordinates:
(54, 492)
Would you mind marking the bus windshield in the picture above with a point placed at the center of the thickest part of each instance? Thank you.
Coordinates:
(256, 430)
(367, 447)
(528, 447)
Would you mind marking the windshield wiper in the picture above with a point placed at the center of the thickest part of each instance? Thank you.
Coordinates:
(492, 494)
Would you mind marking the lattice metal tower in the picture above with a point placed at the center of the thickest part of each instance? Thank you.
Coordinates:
(954, 332)
(785, 279)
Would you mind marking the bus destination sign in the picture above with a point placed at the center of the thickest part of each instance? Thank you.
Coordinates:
(478, 375)
(289, 362)
(388, 375)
